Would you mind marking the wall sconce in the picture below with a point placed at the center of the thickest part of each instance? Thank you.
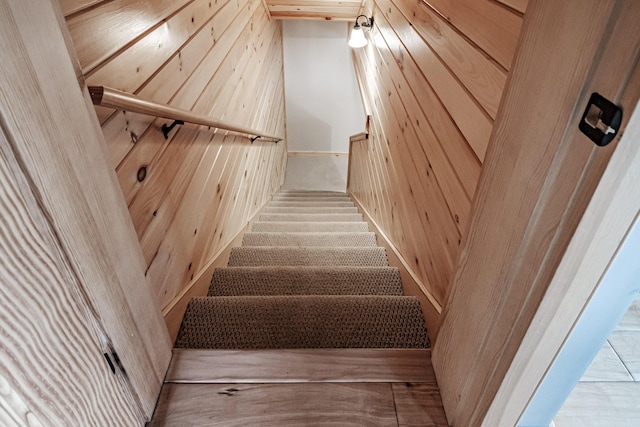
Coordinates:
(357, 38)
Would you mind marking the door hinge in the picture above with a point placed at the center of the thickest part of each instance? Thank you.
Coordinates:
(109, 362)
(114, 362)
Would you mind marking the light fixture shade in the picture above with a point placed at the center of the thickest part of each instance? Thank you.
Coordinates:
(357, 38)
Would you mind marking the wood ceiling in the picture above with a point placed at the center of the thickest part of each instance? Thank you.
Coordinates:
(336, 10)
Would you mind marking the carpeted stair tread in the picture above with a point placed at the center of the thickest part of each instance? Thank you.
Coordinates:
(348, 217)
(276, 322)
(246, 281)
(311, 209)
(309, 239)
(310, 193)
(311, 204)
(307, 256)
(309, 227)
(337, 196)
(313, 199)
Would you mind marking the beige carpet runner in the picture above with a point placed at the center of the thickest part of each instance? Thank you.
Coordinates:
(309, 274)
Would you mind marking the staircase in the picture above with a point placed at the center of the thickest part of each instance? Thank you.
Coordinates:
(308, 275)
(307, 325)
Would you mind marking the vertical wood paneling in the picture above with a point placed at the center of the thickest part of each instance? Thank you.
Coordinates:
(433, 76)
(221, 58)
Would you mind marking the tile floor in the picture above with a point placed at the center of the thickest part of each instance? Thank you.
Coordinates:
(609, 392)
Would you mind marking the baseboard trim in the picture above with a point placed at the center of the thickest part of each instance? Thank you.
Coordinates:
(411, 283)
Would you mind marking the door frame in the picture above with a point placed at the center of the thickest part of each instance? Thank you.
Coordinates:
(52, 129)
(539, 175)
(610, 217)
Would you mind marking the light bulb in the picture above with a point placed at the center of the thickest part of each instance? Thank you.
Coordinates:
(357, 38)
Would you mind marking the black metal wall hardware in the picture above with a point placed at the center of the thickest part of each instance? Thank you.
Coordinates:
(255, 138)
(110, 363)
(601, 120)
(166, 129)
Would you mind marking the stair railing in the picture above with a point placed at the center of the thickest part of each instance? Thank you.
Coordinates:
(113, 98)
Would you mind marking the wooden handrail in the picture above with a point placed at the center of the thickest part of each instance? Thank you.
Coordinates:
(112, 98)
(359, 137)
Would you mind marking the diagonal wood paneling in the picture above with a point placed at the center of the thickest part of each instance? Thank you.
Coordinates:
(432, 77)
(188, 195)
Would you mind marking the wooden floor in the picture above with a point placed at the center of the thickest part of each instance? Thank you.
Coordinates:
(608, 393)
(337, 387)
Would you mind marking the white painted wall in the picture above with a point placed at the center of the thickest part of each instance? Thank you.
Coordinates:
(323, 103)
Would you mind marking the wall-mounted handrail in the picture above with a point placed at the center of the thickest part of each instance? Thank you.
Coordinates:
(113, 98)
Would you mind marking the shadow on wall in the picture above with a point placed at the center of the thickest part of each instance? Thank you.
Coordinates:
(315, 133)
(316, 173)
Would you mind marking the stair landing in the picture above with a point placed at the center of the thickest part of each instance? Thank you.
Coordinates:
(302, 387)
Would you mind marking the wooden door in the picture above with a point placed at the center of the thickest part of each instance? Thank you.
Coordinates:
(538, 178)
(72, 273)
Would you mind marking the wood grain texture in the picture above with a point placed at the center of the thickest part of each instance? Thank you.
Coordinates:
(199, 188)
(72, 6)
(430, 218)
(483, 78)
(433, 92)
(518, 5)
(51, 363)
(491, 26)
(611, 213)
(418, 405)
(341, 10)
(322, 404)
(101, 31)
(534, 191)
(73, 184)
(290, 366)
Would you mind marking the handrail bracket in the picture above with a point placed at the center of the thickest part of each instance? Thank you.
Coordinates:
(166, 129)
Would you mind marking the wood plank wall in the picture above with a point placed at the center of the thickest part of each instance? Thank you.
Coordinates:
(432, 79)
(188, 195)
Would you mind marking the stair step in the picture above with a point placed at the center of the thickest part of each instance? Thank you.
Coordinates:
(309, 239)
(311, 209)
(245, 281)
(261, 322)
(348, 217)
(303, 204)
(307, 256)
(310, 193)
(301, 365)
(312, 198)
(308, 227)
